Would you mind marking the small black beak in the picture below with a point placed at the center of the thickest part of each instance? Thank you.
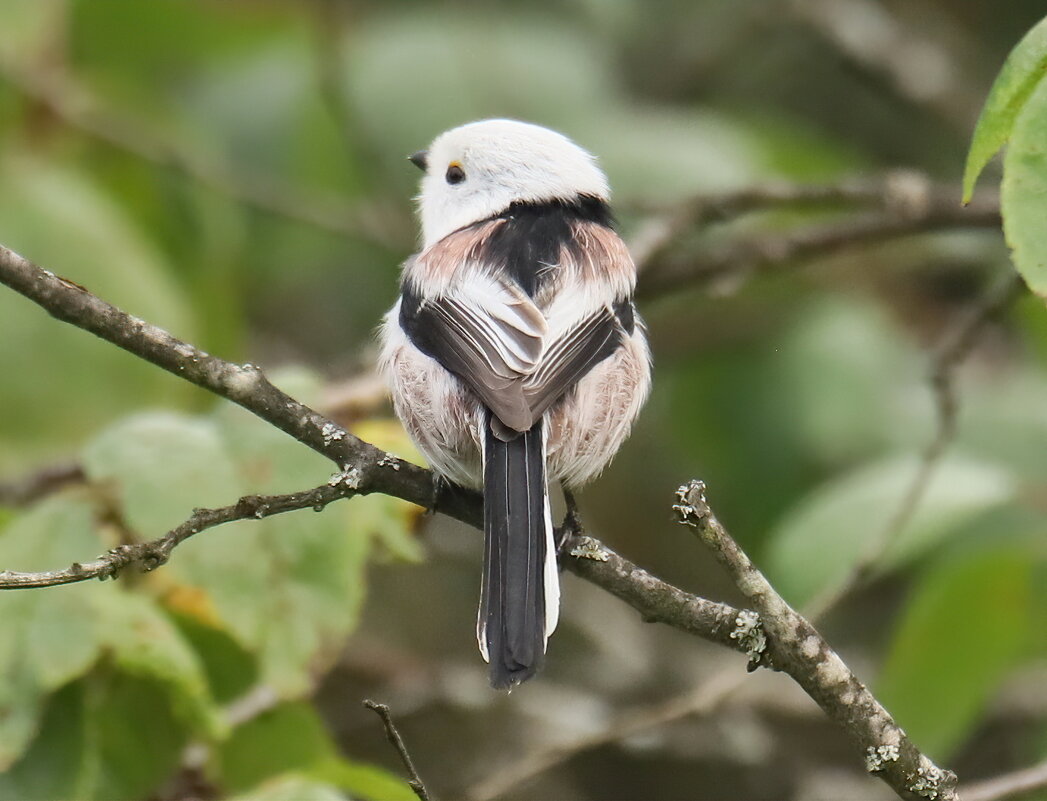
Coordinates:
(420, 159)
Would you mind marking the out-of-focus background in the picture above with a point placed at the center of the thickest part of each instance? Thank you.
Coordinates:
(234, 171)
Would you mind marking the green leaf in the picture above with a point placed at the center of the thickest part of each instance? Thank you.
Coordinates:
(299, 579)
(292, 739)
(389, 520)
(75, 382)
(54, 635)
(364, 781)
(161, 466)
(55, 766)
(970, 620)
(231, 671)
(300, 788)
(1021, 74)
(135, 738)
(814, 546)
(1005, 420)
(1023, 194)
(289, 737)
(144, 642)
(51, 636)
(847, 378)
(294, 600)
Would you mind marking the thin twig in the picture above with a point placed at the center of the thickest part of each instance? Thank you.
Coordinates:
(704, 699)
(150, 555)
(955, 346)
(393, 735)
(797, 648)
(26, 490)
(1007, 786)
(916, 66)
(898, 192)
(727, 267)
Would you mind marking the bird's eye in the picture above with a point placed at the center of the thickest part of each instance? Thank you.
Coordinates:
(455, 173)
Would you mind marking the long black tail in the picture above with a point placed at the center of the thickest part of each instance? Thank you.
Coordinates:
(520, 593)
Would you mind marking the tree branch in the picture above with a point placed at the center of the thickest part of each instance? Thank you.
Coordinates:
(370, 469)
(150, 555)
(797, 648)
(703, 699)
(26, 490)
(954, 347)
(733, 263)
(393, 735)
(777, 636)
(1009, 785)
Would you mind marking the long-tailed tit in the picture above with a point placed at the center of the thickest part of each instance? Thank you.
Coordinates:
(515, 355)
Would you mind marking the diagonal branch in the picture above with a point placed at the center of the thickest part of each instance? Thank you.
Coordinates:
(1009, 785)
(392, 734)
(797, 648)
(371, 468)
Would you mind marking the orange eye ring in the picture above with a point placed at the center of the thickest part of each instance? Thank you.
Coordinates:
(455, 174)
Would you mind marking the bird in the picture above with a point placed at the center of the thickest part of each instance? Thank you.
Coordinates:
(514, 354)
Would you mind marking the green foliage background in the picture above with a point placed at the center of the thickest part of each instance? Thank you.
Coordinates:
(801, 398)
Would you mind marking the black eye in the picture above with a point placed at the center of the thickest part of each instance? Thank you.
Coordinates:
(455, 174)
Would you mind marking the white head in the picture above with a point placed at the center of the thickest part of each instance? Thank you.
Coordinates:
(478, 170)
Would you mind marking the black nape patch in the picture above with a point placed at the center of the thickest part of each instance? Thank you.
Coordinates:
(536, 233)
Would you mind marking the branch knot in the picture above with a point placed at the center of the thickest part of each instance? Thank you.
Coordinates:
(691, 507)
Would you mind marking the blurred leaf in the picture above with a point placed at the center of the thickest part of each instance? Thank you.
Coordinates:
(54, 765)
(364, 781)
(970, 620)
(145, 643)
(162, 465)
(1023, 195)
(231, 671)
(147, 52)
(284, 788)
(814, 546)
(1010, 94)
(57, 634)
(29, 27)
(135, 739)
(847, 378)
(389, 520)
(289, 737)
(49, 636)
(412, 76)
(289, 588)
(1004, 420)
(73, 382)
(292, 738)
